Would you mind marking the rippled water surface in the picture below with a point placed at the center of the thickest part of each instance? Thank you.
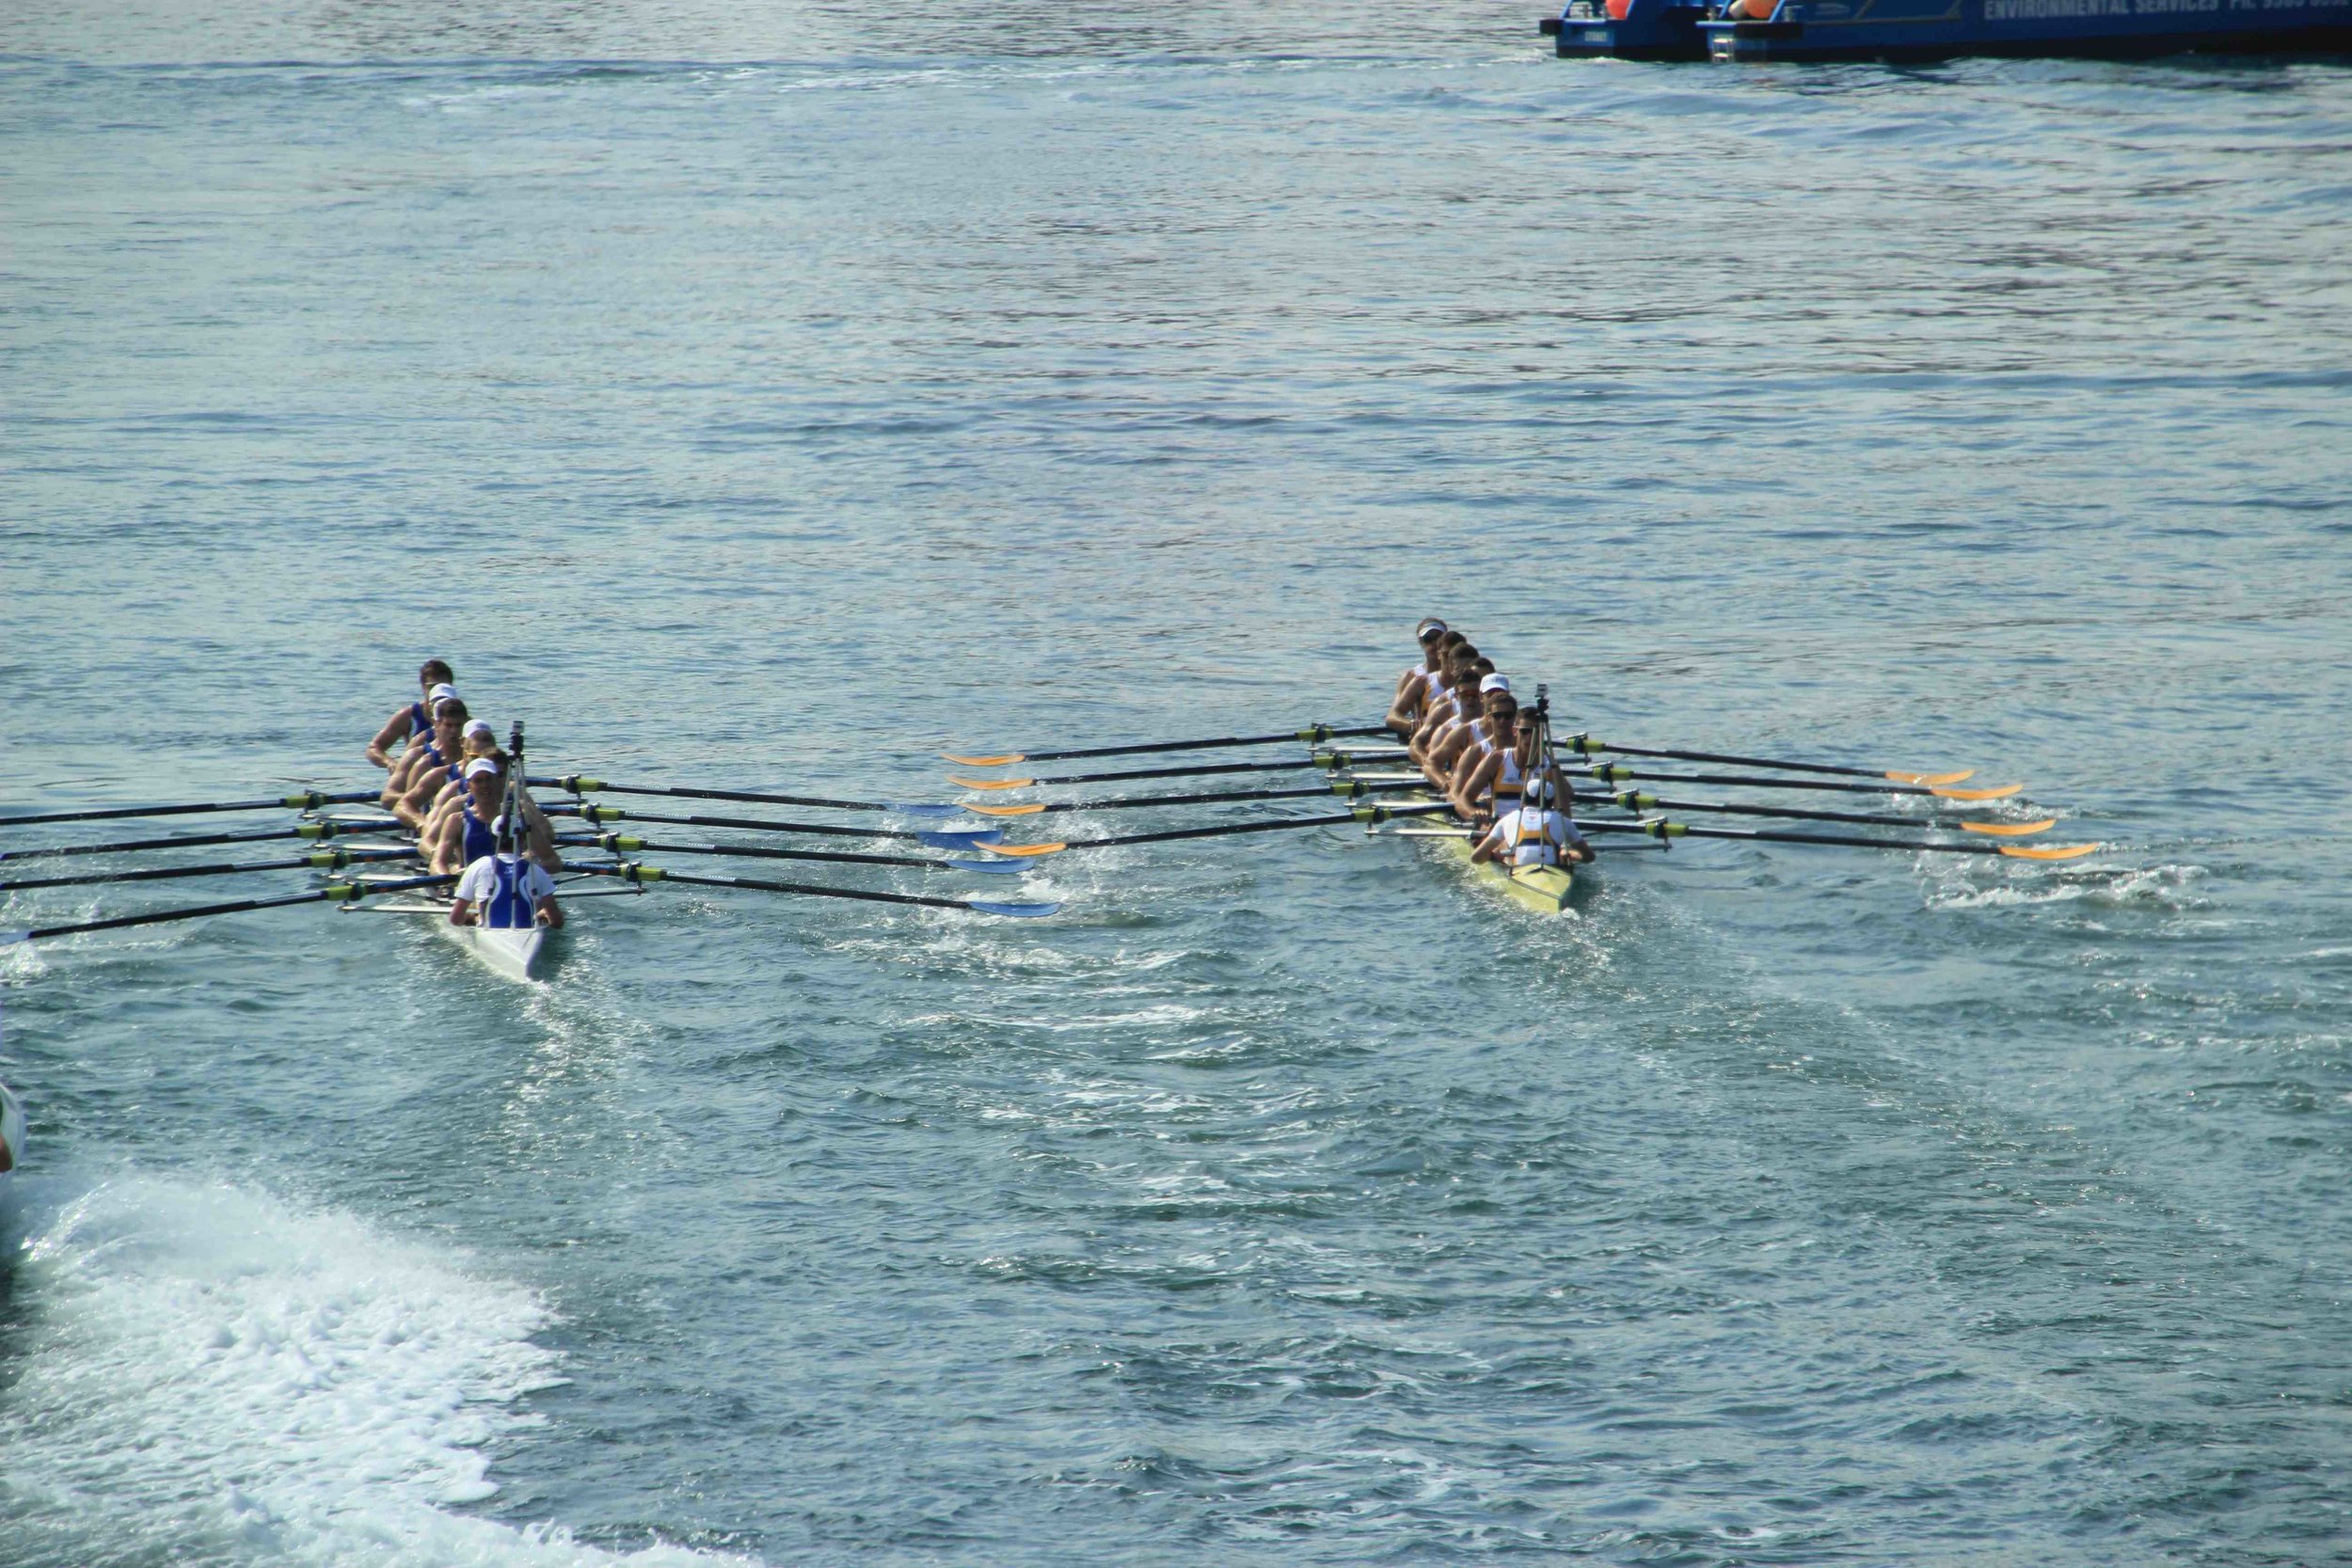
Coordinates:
(766, 402)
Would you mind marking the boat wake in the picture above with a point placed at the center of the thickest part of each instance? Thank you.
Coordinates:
(203, 1374)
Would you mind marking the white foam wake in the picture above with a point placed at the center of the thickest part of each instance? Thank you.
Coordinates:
(207, 1375)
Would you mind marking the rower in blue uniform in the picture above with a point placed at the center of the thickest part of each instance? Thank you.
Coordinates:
(410, 723)
(504, 888)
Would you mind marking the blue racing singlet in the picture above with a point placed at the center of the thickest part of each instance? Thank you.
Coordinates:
(479, 839)
(508, 908)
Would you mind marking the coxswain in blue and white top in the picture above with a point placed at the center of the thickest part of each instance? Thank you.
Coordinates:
(1533, 833)
(411, 722)
(504, 890)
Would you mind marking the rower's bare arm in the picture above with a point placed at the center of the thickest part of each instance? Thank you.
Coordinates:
(395, 728)
(460, 912)
(1486, 848)
(550, 914)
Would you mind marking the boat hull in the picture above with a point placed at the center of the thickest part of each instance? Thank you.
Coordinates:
(1939, 30)
(1544, 889)
(514, 953)
(11, 1131)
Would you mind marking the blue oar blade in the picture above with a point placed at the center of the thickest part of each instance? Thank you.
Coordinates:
(1017, 912)
(944, 840)
(993, 868)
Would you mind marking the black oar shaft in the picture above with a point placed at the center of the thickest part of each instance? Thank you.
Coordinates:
(624, 843)
(325, 859)
(815, 830)
(188, 841)
(1350, 791)
(1582, 747)
(1609, 774)
(306, 800)
(339, 891)
(1632, 802)
(1270, 825)
(811, 890)
(1758, 835)
(1314, 734)
(1190, 770)
(578, 783)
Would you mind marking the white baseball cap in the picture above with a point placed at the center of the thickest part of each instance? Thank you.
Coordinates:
(1496, 682)
(441, 693)
(480, 765)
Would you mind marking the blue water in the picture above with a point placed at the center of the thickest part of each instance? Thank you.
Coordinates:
(770, 401)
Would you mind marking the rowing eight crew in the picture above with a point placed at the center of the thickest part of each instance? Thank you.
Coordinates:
(1461, 726)
(449, 783)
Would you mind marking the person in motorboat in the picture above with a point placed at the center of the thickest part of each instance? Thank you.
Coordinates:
(412, 722)
(1534, 833)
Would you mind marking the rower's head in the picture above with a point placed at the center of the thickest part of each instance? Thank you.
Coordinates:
(433, 672)
(1430, 633)
(480, 740)
(449, 721)
(1541, 792)
(485, 786)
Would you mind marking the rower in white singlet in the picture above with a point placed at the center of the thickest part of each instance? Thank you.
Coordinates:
(1412, 686)
(1533, 833)
(1453, 696)
(1468, 734)
(1486, 778)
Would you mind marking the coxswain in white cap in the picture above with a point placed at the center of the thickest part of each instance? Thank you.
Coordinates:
(411, 722)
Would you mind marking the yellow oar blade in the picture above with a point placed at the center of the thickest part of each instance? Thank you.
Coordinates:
(1933, 778)
(1024, 849)
(1008, 811)
(991, 784)
(1999, 792)
(2056, 851)
(2010, 830)
(1008, 758)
